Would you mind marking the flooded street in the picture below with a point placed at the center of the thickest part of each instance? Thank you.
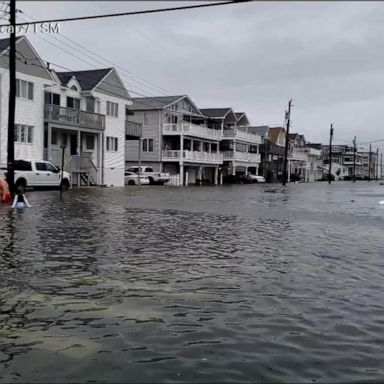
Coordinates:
(242, 283)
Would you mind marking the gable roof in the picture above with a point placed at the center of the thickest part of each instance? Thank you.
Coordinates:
(88, 79)
(274, 133)
(239, 115)
(218, 113)
(4, 43)
(156, 102)
(261, 130)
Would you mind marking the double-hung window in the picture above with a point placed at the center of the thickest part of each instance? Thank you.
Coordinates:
(112, 109)
(23, 134)
(24, 89)
(147, 145)
(112, 143)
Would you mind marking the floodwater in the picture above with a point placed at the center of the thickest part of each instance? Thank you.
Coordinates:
(244, 283)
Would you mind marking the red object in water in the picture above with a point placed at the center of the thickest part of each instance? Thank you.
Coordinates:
(7, 197)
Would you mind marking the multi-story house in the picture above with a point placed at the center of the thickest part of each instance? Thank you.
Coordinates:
(271, 151)
(79, 113)
(85, 111)
(297, 157)
(32, 77)
(343, 161)
(369, 165)
(176, 138)
(239, 147)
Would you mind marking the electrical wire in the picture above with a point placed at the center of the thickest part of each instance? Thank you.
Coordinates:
(148, 11)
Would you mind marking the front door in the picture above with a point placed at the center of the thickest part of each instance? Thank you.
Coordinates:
(73, 145)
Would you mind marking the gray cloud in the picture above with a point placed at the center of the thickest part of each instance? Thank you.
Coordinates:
(327, 56)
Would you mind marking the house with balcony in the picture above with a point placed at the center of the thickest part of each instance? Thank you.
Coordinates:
(176, 138)
(343, 161)
(297, 157)
(85, 111)
(80, 115)
(271, 151)
(31, 81)
(239, 148)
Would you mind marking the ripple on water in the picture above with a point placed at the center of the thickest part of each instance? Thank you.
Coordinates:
(200, 284)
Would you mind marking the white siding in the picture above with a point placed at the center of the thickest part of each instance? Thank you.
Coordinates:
(29, 112)
(114, 161)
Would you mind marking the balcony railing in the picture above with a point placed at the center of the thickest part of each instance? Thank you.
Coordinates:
(242, 156)
(299, 155)
(192, 130)
(193, 156)
(74, 117)
(242, 135)
(133, 129)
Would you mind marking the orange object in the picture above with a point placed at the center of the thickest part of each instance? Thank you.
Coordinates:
(7, 197)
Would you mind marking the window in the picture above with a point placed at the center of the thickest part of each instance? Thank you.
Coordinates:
(22, 165)
(90, 104)
(24, 89)
(90, 142)
(40, 166)
(112, 109)
(50, 167)
(23, 134)
(112, 143)
(73, 103)
(145, 119)
(148, 145)
(74, 88)
(51, 98)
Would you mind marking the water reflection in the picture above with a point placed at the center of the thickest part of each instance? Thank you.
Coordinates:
(199, 284)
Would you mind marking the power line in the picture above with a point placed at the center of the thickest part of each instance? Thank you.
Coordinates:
(148, 11)
(122, 70)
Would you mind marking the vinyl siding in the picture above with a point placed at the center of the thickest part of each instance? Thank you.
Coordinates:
(114, 161)
(28, 112)
(151, 131)
(111, 86)
(25, 52)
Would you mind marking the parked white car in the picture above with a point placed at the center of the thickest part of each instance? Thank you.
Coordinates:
(154, 177)
(39, 173)
(132, 178)
(256, 178)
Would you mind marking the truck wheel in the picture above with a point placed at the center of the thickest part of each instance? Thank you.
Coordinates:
(21, 183)
(151, 181)
(64, 185)
(131, 182)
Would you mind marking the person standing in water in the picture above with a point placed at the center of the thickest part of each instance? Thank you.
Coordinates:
(20, 201)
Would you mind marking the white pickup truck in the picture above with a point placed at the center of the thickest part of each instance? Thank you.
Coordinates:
(39, 173)
(154, 177)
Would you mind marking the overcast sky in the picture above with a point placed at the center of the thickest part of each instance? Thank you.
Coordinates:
(328, 57)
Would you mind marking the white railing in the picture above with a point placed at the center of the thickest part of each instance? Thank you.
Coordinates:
(133, 129)
(75, 117)
(242, 135)
(299, 155)
(242, 156)
(192, 130)
(192, 156)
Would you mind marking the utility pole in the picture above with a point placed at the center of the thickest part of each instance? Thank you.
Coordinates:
(377, 164)
(381, 167)
(12, 98)
(330, 154)
(369, 162)
(288, 118)
(354, 159)
(266, 157)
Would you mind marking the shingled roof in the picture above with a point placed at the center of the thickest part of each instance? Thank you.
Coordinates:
(218, 113)
(157, 102)
(261, 130)
(87, 79)
(4, 43)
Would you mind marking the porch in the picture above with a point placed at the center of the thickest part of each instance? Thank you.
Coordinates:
(81, 152)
